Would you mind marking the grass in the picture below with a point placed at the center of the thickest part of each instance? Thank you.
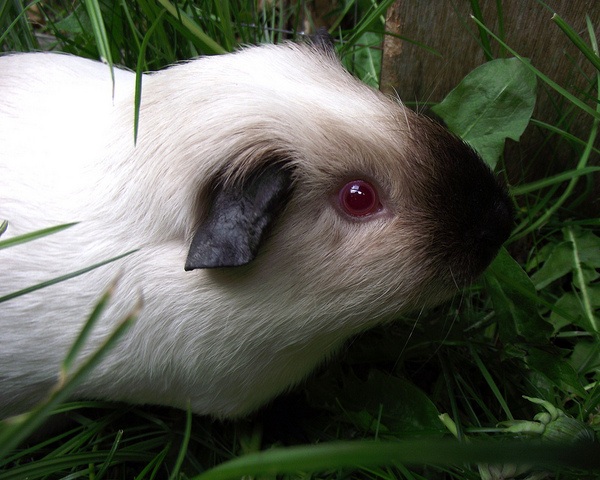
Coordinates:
(516, 357)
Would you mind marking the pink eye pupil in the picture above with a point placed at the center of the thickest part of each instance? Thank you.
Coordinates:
(358, 198)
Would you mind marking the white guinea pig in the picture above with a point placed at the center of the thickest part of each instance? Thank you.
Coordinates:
(278, 204)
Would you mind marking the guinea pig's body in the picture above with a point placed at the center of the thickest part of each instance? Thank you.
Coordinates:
(227, 335)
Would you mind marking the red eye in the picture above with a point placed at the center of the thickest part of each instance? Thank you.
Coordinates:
(359, 198)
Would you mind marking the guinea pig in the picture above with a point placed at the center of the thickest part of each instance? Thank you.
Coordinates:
(276, 204)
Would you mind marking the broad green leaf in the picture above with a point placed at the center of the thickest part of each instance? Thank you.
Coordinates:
(585, 260)
(494, 102)
(392, 403)
(586, 277)
(515, 301)
(555, 86)
(578, 259)
(586, 357)
(76, 22)
(588, 245)
(558, 264)
(556, 369)
(572, 303)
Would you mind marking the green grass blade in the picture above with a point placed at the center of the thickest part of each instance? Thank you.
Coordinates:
(30, 451)
(373, 15)
(552, 84)
(491, 383)
(210, 45)
(421, 45)
(184, 444)
(62, 278)
(44, 468)
(578, 271)
(500, 19)
(578, 41)
(563, 133)
(344, 11)
(141, 63)
(85, 331)
(25, 38)
(28, 237)
(365, 454)
(108, 460)
(95, 14)
(151, 469)
(135, 32)
(102, 43)
(16, 429)
(592, 34)
(224, 15)
(485, 39)
(549, 213)
(553, 180)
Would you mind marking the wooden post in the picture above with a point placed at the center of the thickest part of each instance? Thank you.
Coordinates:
(417, 75)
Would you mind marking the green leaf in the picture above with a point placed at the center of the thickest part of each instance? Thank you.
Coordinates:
(566, 303)
(571, 303)
(587, 245)
(562, 91)
(392, 403)
(577, 256)
(494, 102)
(77, 22)
(556, 369)
(515, 301)
(586, 357)
(558, 264)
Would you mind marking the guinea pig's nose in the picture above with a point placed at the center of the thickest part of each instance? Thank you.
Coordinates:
(493, 230)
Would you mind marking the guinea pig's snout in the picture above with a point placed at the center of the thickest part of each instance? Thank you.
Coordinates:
(472, 237)
(487, 221)
(492, 230)
(475, 214)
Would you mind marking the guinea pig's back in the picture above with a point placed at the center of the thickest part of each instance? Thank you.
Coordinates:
(58, 106)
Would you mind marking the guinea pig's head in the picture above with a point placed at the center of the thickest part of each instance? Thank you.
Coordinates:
(345, 198)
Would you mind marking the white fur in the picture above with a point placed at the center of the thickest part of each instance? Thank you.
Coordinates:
(227, 340)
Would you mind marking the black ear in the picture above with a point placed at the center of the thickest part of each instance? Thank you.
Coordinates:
(323, 40)
(238, 219)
